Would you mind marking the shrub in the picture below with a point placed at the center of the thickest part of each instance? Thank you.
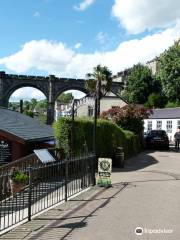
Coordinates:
(129, 117)
(19, 177)
(29, 113)
(156, 100)
(109, 136)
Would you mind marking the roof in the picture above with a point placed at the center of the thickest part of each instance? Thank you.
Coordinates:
(24, 127)
(166, 113)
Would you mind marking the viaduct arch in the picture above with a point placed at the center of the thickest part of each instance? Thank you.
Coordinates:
(50, 86)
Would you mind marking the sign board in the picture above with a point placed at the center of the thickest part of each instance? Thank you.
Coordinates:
(104, 171)
(5, 152)
(44, 156)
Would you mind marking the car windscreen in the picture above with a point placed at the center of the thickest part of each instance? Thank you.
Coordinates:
(157, 134)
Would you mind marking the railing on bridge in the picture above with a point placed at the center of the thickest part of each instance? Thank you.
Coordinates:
(48, 184)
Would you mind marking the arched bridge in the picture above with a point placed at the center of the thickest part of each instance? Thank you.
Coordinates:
(50, 86)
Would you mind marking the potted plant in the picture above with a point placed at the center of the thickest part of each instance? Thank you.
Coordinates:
(18, 181)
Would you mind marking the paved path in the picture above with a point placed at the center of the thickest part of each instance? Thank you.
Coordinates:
(145, 194)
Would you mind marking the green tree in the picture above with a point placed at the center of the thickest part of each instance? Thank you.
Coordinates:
(156, 100)
(33, 103)
(29, 113)
(129, 117)
(65, 97)
(41, 106)
(140, 84)
(99, 83)
(26, 105)
(169, 72)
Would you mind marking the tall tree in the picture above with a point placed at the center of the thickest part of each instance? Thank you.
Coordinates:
(65, 97)
(99, 83)
(41, 105)
(139, 84)
(33, 103)
(169, 72)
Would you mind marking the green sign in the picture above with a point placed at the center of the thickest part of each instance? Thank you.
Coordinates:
(104, 172)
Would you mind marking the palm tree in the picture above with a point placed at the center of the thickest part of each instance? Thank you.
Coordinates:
(99, 83)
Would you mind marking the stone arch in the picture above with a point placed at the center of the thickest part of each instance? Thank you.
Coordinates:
(60, 91)
(10, 91)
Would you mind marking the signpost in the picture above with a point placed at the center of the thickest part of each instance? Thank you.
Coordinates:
(104, 172)
(5, 152)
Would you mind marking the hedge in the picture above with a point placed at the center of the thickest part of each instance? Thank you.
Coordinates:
(109, 136)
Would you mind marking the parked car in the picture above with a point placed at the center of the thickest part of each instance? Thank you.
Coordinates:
(157, 139)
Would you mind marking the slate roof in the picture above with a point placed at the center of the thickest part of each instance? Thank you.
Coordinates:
(166, 113)
(24, 127)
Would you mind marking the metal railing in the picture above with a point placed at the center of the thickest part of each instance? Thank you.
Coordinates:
(22, 163)
(47, 185)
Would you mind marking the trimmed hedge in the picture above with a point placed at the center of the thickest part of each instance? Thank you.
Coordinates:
(109, 136)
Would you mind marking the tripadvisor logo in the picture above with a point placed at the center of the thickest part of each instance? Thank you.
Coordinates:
(139, 231)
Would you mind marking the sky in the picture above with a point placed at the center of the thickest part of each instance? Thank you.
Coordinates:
(69, 38)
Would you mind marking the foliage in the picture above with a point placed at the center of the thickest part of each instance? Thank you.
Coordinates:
(14, 106)
(173, 104)
(139, 84)
(29, 113)
(99, 83)
(26, 105)
(19, 177)
(62, 133)
(109, 136)
(42, 118)
(156, 100)
(129, 117)
(169, 72)
(33, 103)
(65, 97)
(41, 106)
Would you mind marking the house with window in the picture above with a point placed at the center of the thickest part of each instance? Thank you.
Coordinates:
(62, 109)
(85, 105)
(167, 119)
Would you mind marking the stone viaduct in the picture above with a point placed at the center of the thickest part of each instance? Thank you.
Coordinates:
(50, 86)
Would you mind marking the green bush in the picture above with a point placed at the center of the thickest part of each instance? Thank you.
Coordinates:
(109, 136)
(19, 177)
(173, 104)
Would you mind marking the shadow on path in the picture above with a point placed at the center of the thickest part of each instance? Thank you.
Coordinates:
(141, 161)
(58, 223)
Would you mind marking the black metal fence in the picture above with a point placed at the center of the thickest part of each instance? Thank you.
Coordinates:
(47, 185)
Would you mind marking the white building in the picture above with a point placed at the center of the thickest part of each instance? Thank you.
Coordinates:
(85, 105)
(167, 119)
(62, 110)
(153, 65)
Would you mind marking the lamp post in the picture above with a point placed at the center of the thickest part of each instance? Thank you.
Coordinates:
(72, 125)
(97, 96)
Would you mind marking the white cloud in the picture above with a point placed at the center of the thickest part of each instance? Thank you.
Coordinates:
(77, 45)
(138, 16)
(42, 55)
(56, 58)
(84, 5)
(36, 14)
(102, 37)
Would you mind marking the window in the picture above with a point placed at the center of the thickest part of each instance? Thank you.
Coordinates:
(159, 125)
(90, 111)
(178, 124)
(169, 126)
(149, 127)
